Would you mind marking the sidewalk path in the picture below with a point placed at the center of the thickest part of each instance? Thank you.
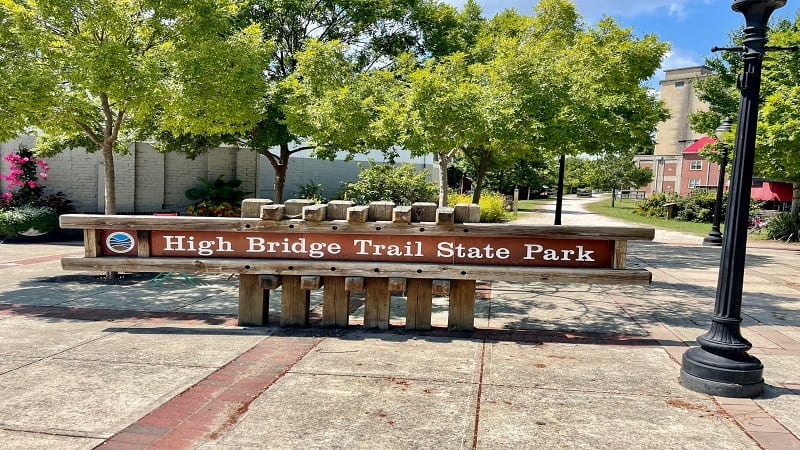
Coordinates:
(134, 365)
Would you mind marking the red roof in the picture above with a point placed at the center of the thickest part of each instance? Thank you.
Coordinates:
(699, 144)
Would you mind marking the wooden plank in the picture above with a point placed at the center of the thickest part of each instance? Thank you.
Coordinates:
(354, 283)
(401, 214)
(419, 304)
(335, 303)
(91, 243)
(337, 209)
(143, 243)
(315, 213)
(310, 282)
(467, 213)
(380, 211)
(251, 207)
(397, 284)
(377, 304)
(461, 313)
(357, 214)
(253, 301)
(441, 288)
(620, 255)
(85, 221)
(360, 269)
(295, 303)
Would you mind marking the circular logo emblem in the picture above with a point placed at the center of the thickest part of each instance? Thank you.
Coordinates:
(120, 242)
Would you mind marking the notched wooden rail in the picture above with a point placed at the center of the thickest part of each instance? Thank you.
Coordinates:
(420, 250)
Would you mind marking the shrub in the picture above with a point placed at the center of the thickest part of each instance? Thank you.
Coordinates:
(492, 205)
(17, 220)
(784, 227)
(698, 206)
(401, 184)
(218, 198)
(311, 191)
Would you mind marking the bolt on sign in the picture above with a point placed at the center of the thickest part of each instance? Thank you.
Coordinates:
(512, 251)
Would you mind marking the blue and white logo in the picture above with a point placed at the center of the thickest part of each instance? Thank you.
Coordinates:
(120, 242)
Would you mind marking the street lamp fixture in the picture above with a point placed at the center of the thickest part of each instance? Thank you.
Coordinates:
(715, 236)
(720, 365)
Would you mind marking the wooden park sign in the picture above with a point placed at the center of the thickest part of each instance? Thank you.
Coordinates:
(347, 251)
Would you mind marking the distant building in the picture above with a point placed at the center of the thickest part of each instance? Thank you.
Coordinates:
(676, 163)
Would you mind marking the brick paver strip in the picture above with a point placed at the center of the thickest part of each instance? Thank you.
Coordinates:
(40, 259)
(212, 406)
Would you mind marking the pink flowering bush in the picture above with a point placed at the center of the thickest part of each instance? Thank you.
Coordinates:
(26, 207)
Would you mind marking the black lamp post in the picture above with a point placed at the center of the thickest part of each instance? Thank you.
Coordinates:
(721, 365)
(715, 236)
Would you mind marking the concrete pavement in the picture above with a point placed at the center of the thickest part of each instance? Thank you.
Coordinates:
(136, 365)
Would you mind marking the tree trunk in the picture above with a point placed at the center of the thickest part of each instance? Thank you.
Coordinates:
(443, 163)
(795, 197)
(110, 179)
(613, 196)
(480, 177)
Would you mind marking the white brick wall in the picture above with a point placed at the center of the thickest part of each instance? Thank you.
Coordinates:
(146, 180)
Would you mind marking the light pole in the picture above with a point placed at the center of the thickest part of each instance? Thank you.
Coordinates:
(715, 236)
(721, 365)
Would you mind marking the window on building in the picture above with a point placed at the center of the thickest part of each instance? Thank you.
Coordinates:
(696, 165)
(693, 182)
(679, 84)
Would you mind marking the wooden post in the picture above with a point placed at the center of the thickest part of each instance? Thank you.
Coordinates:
(357, 214)
(377, 304)
(253, 301)
(337, 209)
(461, 313)
(314, 213)
(380, 210)
(419, 304)
(295, 303)
(251, 207)
(335, 303)
(445, 216)
(467, 213)
(423, 212)
(620, 254)
(401, 214)
(143, 243)
(91, 242)
(294, 207)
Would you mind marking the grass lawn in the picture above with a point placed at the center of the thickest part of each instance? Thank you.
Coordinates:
(531, 205)
(623, 210)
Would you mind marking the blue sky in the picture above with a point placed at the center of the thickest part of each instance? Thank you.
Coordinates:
(691, 26)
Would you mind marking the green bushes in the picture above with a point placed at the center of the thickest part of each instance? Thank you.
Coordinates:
(218, 198)
(492, 205)
(784, 227)
(401, 184)
(698, 206)
(16, 221)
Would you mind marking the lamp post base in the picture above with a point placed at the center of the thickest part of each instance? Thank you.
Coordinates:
(713, 239)
(725, 374)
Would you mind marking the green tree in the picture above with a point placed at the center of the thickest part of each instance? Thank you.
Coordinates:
(617, 171)
(104, 73)
(777, 152)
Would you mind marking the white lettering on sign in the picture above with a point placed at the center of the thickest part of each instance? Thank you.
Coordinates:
(451, 249)
(314, 250)
(367, 247)
(202, 247)
(548, 254)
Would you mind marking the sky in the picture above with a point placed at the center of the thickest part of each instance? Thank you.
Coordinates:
(691, 27)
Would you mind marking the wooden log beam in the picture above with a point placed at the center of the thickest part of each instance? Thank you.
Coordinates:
(461, 312)
(361, 269)
(295, 303)
(253, 301)
(377, 304)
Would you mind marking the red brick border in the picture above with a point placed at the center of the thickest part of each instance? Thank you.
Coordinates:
(211, 407)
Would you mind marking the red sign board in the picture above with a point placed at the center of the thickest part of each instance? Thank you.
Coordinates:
(511, 251)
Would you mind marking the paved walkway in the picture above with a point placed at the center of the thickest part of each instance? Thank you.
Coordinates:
(135, 365)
